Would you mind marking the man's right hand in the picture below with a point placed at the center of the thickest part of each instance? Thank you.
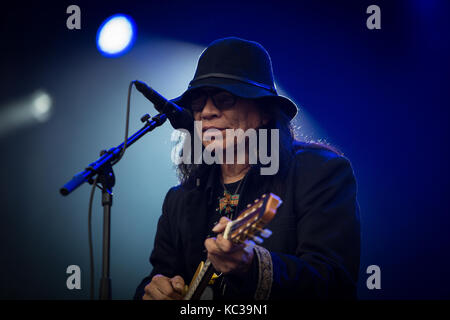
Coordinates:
(164, 288)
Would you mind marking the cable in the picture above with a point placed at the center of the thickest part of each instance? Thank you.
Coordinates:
(127, 122)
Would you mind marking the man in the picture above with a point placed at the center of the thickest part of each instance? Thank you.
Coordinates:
(314, 249)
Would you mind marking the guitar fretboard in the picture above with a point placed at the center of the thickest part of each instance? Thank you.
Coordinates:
(201, 281)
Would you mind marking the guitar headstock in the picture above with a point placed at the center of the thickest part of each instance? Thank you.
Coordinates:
(251, 221)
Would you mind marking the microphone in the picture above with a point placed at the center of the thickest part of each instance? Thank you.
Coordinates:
(180, 118)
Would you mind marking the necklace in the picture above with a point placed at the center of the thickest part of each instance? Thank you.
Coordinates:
(227, 205)
(229, 201)
(237, 189)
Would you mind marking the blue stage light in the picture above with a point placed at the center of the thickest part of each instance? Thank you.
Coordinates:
(116, 35)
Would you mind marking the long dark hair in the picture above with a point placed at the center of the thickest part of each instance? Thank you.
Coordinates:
(288, 145)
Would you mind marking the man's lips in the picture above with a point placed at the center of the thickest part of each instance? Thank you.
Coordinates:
(211, 127)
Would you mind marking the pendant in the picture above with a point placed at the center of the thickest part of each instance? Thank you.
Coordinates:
(227, 202)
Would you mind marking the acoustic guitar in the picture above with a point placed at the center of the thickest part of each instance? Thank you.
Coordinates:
(247, 227)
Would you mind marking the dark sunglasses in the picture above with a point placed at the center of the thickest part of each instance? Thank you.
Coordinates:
(221, 99)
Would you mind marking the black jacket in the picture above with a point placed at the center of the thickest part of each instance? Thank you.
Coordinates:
(314, 250)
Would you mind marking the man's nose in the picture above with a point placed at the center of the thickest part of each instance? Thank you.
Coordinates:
(209, 110)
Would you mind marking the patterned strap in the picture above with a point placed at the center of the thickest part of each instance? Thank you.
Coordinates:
(265, 274)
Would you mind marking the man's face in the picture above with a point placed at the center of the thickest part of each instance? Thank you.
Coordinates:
(222, 110)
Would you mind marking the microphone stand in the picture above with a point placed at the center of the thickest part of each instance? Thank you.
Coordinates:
(107, 179)
(103, 168)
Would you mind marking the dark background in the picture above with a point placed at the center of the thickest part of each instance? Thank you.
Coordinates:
(381, 96)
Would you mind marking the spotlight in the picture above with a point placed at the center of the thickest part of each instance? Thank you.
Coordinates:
(116, 35)
(41, 106)
(32, 109)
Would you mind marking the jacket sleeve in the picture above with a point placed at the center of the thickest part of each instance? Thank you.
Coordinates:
(165, 255)
(326, 261)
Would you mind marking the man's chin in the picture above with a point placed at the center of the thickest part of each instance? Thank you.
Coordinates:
(218, 147)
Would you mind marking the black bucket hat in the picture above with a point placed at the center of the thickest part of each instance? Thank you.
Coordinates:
(240, 67)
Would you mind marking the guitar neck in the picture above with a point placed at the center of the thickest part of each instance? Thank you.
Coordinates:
(196, 289)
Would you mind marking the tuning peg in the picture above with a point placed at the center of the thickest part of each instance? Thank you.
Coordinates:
(257, 239)
(250, 243)
(266, 233)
